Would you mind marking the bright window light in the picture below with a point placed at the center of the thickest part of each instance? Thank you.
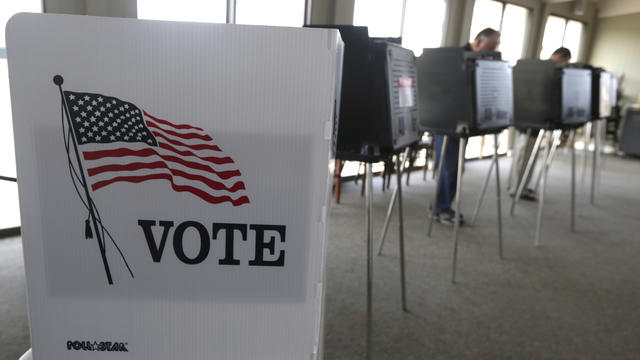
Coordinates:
(573, 38)
(9, 211)
(183, 10)
(553, 35)
(562, 32)
(7, 153)
(424, 24)
(511, 20)
(513, 32)
(382, 17)
(273, 12)
(8, 8)
(486, 14)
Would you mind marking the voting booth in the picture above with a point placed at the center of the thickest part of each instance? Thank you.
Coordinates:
(464, 93)
(378, 118)
(550, 95)
(174, 185)
(378, 106)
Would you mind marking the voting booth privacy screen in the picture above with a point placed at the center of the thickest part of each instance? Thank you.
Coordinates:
(607, 95)
(173, 183)
(604, 87)
(464, 93)
(378, 106)
(551, 95)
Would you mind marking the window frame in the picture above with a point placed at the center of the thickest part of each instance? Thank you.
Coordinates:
(231, 12)
(564, 32)
(445, 23)
(528, 29)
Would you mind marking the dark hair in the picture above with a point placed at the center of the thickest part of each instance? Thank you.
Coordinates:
(486, 33)
(563, 51)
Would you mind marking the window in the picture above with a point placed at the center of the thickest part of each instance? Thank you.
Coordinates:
(382, 17)
(423, 26)
(273, 12)
(183, 10)
(511, 20)
(9, 213)
(424, 22)
(561, 32)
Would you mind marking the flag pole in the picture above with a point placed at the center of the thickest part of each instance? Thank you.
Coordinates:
(58, 80)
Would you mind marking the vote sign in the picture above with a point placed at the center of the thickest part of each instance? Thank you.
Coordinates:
(173, 183)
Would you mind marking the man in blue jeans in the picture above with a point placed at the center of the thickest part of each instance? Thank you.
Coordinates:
(486, 40)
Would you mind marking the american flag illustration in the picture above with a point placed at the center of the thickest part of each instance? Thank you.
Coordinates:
(120, 142)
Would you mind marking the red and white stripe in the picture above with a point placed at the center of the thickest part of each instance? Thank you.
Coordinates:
(186, 157)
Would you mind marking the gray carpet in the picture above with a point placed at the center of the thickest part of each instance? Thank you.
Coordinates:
(577, 296)
(14, 328)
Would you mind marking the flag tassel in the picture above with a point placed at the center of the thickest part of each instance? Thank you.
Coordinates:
(88, 233)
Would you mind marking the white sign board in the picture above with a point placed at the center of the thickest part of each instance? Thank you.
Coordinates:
(173, 183)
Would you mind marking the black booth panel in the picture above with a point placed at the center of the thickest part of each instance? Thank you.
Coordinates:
(549, 95)
(369, 127)
(446, 90)
(630, 139)
(536, 94)
(595, 91)
(377, 131)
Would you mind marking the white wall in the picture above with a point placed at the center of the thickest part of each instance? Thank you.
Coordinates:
(608, 8)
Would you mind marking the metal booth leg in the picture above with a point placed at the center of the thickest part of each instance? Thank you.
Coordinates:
(585, 152)
(498, 194)
(595, 160)
(369, 240)
(397, 196)
(482, 193)
(445, 141)
(392, 203)
(399, 166)
(601, 160)
(554, 146)
(456, 224)
(486, 183)
(543, 189)
(572, 139)
(572, 144)
(527, 170)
